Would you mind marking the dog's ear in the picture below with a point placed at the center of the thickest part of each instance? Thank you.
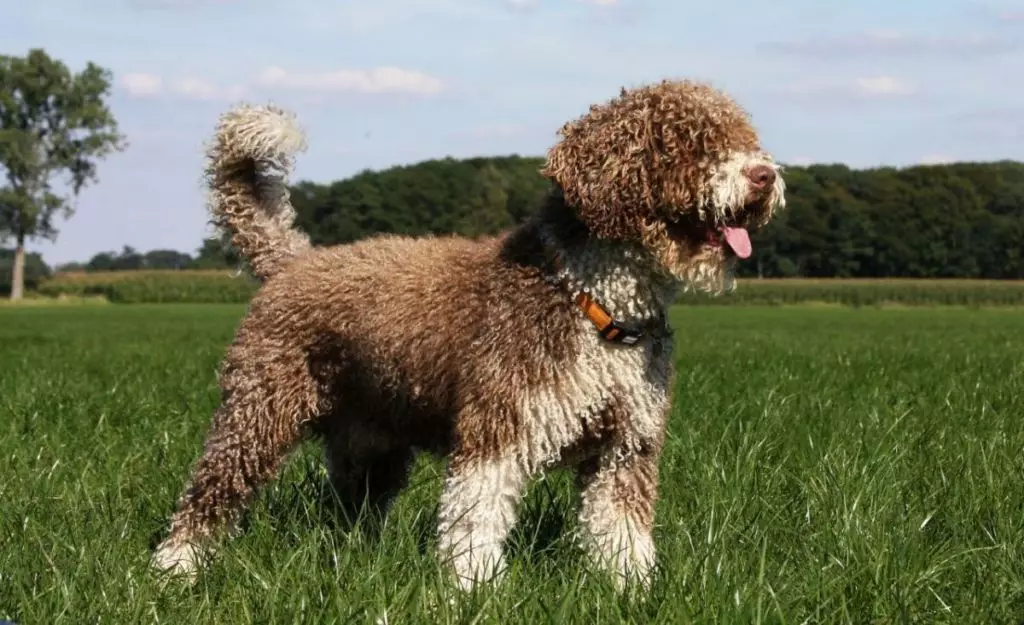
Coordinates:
(649, 149)
(603, 164)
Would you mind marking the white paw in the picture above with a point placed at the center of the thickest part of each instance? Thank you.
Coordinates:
(627, 552)
(178, 558)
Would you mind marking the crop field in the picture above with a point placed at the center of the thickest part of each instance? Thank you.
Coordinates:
(227, 286)
(824, 465)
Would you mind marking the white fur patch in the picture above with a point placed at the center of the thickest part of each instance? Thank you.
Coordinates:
(478, 508)
(635, 377)
(613, 538)
(616, 542)
(267, 134)
(730, 187)
(177, 557)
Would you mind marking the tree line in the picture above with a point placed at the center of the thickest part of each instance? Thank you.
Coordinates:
(961, 220)
(212, 254)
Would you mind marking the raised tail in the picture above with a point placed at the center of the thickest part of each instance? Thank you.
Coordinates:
(247, 169)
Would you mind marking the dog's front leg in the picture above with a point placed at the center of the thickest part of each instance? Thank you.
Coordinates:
(478, 508)
(618, 492)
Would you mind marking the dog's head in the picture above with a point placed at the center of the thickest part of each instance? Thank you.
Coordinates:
(676, 167)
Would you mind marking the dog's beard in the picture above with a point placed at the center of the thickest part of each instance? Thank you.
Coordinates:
(700, 247)
(728, 196)
(710, 272)
(696, 265)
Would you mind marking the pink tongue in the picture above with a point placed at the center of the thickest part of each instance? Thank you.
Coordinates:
(739, 240)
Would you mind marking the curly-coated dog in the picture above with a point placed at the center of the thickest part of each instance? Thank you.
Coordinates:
(545, 346)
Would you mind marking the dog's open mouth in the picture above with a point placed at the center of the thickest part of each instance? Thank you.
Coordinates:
(734, 238)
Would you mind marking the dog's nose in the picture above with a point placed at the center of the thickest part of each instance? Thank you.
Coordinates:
(761, 176)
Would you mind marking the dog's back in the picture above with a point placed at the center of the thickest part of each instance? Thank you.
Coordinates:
(408, 329)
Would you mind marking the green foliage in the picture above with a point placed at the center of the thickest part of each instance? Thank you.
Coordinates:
(143, 287)
(52, 122)
(216, 252)
(821, 466)
(963, 220)
(471, 197)
(129, 259)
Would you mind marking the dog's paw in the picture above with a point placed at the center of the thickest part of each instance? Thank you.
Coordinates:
(177, 558)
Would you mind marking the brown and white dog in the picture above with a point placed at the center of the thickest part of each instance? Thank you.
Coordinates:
(546, 346)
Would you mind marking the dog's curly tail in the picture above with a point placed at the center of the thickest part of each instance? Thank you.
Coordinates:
(247, 169)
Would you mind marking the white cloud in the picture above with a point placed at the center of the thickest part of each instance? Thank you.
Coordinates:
(601, 3)
(883, 86)
(377, 80)
(936, 159)
(141, 84)
(890, 43)
(202, 89)
(315, 86)
(844, 93)
(144, 85)
(800, 161)
(1012, 16)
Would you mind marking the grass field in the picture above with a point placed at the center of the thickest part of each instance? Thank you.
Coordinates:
(824, 465)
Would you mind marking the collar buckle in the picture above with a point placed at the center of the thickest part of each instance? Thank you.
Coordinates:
(608, 328)
(619, 333)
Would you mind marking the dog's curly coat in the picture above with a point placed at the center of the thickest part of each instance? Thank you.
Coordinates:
(475, 348)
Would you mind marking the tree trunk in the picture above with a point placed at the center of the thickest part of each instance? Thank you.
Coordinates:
(18, 279)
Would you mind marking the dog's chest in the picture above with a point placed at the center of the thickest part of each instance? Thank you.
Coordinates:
(611, 395)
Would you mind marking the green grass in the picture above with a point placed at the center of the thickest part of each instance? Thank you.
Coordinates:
(824, 466)
(882, 292)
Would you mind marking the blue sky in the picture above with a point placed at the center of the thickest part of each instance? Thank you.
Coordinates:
(383, 82)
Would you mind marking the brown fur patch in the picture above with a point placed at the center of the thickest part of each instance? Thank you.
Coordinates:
(627, 161)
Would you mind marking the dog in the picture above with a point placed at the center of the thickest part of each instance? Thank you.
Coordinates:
(545, 346)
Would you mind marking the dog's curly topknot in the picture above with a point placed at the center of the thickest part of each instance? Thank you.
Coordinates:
(647, 150)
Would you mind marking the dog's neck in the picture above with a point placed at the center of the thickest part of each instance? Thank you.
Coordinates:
(617, 276)
(621, 277)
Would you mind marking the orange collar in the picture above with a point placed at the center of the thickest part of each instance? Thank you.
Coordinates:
(607, 326)
(609, 329)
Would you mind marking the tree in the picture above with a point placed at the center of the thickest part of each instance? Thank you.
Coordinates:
(167, 259)
(129, 260)
(216, 253)
(104, 261)
(53, 123)
(36, 270)
(963, 220)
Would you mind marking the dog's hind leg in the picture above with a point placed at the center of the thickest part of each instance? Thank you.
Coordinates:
(366, 467)
(268, 396)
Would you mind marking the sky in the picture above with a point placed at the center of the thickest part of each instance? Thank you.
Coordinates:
(377, 83)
